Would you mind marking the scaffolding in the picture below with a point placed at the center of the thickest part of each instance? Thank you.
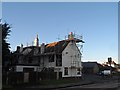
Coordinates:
(75, 63)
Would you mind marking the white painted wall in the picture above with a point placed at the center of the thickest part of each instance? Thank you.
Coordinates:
(20, 68)
(72, 58)
(46, 62)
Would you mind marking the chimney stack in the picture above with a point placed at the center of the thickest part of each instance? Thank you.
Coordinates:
(42, 48)
(21, 48)
(18, 49)
(70, 36)
(36, 41)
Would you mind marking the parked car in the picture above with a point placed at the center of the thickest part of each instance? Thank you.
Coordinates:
(104, 73)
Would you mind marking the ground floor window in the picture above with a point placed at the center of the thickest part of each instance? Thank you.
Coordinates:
(66, 71)
(78, 71)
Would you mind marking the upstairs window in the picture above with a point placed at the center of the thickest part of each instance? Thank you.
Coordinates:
(58, 60)
(30, 60)
(51, 58)
(66, 52)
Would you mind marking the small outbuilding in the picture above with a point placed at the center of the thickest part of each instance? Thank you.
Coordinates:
(90, 67)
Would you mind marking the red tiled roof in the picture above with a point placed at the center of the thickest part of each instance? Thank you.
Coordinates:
(52, 44)
(57, 47)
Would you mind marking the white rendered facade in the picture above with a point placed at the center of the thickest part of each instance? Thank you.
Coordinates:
(71, 59)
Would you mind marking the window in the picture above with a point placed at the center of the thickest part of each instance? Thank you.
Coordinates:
(30, 60)
(78, 71)
(66, 71)
(66, 52)
(51, 58)
(28, 69)
(75, 55)
(58, 60)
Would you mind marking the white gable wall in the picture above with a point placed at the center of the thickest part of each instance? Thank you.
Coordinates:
(71, 57)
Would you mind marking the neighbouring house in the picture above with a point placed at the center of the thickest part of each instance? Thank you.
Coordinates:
(60, 59)
(117, 66)
(112, 63)
(90, 67)
(113, 66)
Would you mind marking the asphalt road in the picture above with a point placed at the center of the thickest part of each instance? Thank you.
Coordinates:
(111, 85)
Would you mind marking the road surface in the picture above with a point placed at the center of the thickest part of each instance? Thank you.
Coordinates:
(102, 86)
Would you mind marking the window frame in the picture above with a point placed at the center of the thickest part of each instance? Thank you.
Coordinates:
(65, 70)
